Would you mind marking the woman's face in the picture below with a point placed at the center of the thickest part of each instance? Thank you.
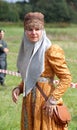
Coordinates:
(34, 34)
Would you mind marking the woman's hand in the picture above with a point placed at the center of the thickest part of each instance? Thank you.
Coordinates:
(48, 108)
(15, 94)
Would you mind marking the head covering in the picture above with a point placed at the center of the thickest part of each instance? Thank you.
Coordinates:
(33, 19)
(30, 61)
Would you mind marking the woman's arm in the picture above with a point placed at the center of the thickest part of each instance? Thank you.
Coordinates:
(17, 91)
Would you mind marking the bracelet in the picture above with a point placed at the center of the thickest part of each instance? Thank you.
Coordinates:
(52, 101)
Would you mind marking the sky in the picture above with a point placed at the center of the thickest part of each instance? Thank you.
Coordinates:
(15, 0)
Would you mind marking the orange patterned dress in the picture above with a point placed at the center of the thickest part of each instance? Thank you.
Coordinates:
(33, 116)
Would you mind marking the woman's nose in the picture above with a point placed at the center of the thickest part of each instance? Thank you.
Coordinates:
(33, 31)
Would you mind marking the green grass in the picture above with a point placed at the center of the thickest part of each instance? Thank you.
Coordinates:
(66, 38)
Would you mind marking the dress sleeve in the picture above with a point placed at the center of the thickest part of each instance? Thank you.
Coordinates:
(56, 59)
(20, 86)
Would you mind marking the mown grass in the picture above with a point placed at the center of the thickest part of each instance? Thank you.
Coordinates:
(66, 37)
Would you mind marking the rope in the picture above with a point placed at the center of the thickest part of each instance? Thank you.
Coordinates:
(13, 73)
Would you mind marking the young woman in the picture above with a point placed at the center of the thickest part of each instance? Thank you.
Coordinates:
(39, 62)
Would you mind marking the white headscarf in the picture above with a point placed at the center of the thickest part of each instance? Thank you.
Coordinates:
(30, 61)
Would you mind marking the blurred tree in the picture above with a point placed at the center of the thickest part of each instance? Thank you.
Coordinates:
(8, 12)
(54, 10)
(13, 14)
(3, 13)
(22, 11)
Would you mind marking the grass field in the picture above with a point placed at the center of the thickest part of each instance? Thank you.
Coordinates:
(67, 39)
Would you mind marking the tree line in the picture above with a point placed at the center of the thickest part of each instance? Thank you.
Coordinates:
(54, 10)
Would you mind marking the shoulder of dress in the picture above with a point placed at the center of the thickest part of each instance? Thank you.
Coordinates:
(54, 47)
(55, 50)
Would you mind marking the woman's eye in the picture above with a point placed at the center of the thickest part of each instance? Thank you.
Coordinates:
(36, 28)
(31, 30)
